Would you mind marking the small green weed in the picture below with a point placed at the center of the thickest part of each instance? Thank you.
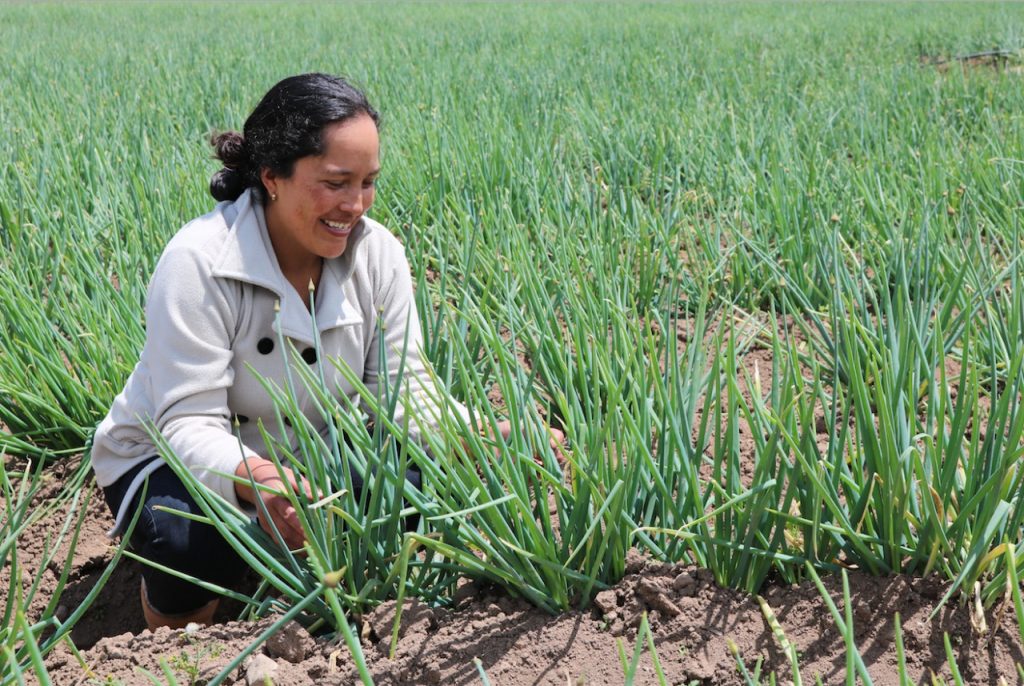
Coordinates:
(189, 663)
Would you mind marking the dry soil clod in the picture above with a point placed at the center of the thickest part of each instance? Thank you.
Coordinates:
(291, 643)
(656, 595)
(259, 670)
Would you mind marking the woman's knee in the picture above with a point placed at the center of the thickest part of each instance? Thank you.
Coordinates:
(167, 536)
(164, 536)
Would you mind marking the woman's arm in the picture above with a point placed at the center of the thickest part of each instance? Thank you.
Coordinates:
(190, 324)
(264, 473)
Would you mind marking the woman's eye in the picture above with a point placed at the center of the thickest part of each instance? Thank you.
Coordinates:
(370, 184)
(335, 185)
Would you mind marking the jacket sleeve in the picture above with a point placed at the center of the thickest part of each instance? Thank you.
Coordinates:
(399, 326)
(190, 327)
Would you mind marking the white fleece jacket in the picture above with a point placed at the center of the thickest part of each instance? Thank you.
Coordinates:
(210, 315)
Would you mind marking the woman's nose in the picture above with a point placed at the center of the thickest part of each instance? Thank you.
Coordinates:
(352, 202)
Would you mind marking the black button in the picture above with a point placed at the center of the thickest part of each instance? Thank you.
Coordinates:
(242, 419)
(309, 355)
(265, 346)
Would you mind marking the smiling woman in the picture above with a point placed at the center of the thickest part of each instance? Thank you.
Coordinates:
(231, 292)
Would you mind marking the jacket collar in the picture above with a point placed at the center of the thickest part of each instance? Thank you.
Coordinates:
(248, 255)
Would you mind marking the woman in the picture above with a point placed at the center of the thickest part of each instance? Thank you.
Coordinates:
(232, 284)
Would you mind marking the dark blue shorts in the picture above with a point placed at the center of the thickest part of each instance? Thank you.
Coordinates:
(190, 547)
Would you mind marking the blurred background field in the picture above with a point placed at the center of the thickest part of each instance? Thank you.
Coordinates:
(759, 262)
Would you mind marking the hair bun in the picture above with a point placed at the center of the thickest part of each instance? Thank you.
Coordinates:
(231, 181)
(227, 184)
(229, 148)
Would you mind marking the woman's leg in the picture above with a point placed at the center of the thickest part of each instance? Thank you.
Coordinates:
(173, 541)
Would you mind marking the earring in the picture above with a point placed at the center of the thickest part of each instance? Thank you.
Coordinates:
(273, 197)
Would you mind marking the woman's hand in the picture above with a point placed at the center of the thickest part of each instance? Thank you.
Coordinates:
(277, 505)
(556, 442)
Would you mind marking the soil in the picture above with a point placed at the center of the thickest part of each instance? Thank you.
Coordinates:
(691, 618)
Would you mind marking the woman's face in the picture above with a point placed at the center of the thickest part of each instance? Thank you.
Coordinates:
(317, 207)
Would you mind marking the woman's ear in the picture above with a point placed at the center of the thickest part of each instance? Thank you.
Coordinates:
(269, 180)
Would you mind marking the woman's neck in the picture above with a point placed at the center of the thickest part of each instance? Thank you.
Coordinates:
(301, 280)
(300, 268)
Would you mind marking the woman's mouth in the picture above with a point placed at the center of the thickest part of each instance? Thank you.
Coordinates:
(339, 229)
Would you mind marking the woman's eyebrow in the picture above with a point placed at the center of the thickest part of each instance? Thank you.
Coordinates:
(340, 171)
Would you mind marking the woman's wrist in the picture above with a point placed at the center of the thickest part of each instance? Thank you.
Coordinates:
(260, 470)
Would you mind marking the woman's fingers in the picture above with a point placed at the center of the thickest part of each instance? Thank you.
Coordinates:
(556, 441)
(283, 514)
(287, 523)
(299, 483)
(304, 486)
(557, 444)
(292, 528)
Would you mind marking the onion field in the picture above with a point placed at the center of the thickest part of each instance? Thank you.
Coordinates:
(761, 264)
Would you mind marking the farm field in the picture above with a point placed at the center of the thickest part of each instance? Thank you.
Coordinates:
(759, 262)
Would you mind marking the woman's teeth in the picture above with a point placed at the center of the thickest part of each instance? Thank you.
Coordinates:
(338, 227)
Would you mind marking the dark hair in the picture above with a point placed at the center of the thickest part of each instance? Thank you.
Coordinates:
(286, 125)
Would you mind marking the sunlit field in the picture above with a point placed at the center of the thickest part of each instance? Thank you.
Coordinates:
(760, 263)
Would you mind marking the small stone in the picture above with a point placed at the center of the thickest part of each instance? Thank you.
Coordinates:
(685, 584)
(259, 670)
(606, 601)
(193, 627)
(494, 610)
(291, 643)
